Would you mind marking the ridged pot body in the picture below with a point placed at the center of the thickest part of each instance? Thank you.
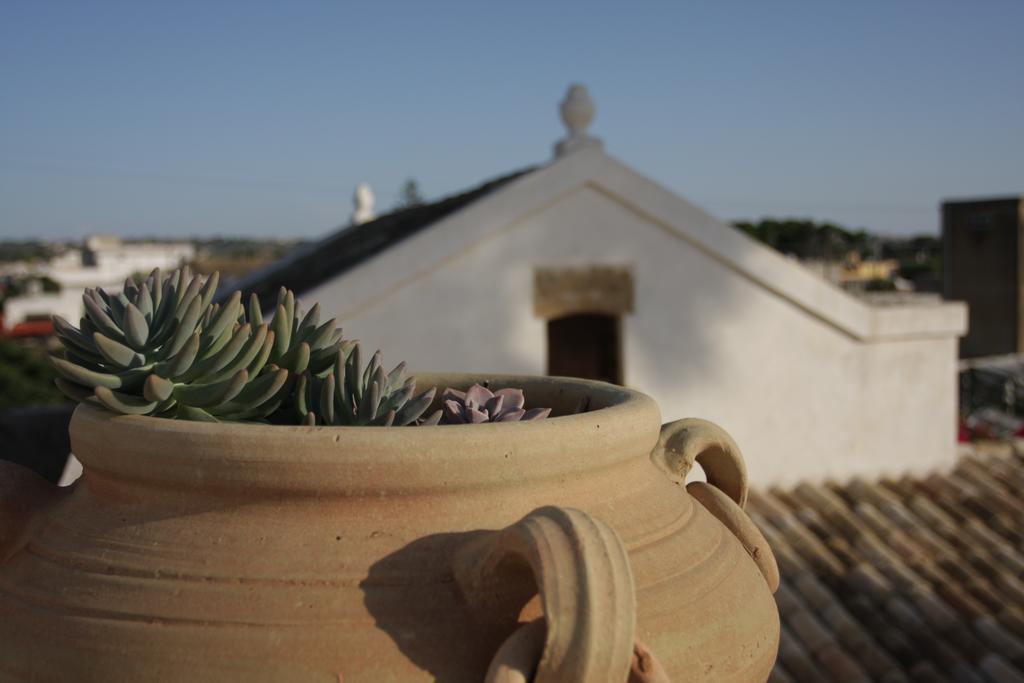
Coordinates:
(193, 551)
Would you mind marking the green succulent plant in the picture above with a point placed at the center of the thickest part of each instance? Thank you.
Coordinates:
(164, 348)
(301, 343)
(349, 394)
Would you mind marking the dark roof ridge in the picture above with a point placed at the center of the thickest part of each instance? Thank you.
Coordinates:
(346, 247)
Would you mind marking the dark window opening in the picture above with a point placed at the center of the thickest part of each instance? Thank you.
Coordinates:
(586, 346)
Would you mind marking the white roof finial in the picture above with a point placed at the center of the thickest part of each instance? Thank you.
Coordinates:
(577, 111)
(362, 202)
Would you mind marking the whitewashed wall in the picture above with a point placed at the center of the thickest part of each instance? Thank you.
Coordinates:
(116, 262)
(805, 397)
(65, 303)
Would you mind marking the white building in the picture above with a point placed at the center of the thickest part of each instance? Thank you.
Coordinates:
(104, 262)
(585, 266)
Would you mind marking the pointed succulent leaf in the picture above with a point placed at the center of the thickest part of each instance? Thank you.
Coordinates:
(282, 332)
(256, 367)
(157, 388)
(321, 360)
(194, 414)
(181, 362)
(433, 419)
(459, 396)
(302, 405)
(185, 327)
(297, 359)
(384, 419)
(399, 397)
(309, 323)
(263, 388)
(228, 411)
(162, 325)
(144, 303)
(74, 391)
(71, 336)
(156, 288)
(190, 294)
(321, 336)
(90, 378)
(117, 353)
(136, 329)
(396, 377)
(477, 396)
(514, 398)
(212, 394)
(209, 348)
(371, 369)
(255, 312)
(86, 359)
(126, 404)
(412, 410)
(453, 412)
(227, 315)
(327, 400)
(218, 360)
(99, 318)
(210, 289)
(116, 308)
(493, 406)
(371, 401)
(289, 310)
(244, 357)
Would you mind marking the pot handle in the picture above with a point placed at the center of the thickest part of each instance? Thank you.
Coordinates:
(578, 568)
(685, 442)
(24, 496)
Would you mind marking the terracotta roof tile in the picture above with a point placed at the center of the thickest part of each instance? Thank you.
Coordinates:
(914, 579)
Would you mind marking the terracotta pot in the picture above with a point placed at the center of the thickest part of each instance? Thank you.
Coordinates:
(193, 551)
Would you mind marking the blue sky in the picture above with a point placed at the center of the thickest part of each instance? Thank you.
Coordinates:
(258, 118)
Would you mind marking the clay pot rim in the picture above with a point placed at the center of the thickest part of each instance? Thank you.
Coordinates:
(365, 460)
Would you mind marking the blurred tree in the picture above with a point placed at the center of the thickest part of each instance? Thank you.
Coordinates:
(26, 377)
(919, 256)
(809, 240)
(879, 285)
(409, 195)
(31, 250)
(19, 285)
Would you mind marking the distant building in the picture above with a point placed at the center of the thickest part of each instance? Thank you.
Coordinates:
(583, 266)
(982, 248)
(103, 261)
(855, 273)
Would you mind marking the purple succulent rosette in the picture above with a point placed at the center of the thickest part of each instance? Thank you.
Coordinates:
(479, 404)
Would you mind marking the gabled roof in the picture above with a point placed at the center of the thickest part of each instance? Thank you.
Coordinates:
(473, 216)
(916, 579)
(314, 263)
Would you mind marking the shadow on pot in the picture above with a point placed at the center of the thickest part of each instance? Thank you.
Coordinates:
(413, 597)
